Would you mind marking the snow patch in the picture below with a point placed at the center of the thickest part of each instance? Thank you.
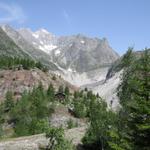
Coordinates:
(35, 35)
(3, 27)
(42, 48)
(41, 42)
(57, 52)
(70, 70)
(82, 42)
(45, 31)
(47, 48)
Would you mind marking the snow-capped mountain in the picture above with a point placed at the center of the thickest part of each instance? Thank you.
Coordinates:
(81, 60)
(28, 48)
(40, 39)
(76, 53)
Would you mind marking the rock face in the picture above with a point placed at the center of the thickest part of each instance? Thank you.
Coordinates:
(76, 56)
(77, 53)
(40, 39)
(81, 54)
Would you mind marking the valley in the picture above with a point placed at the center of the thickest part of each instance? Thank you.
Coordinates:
(69, 92)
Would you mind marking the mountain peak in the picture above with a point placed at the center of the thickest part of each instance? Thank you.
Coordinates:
(43, 31)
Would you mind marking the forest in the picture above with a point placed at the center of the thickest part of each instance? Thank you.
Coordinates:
(128, 128)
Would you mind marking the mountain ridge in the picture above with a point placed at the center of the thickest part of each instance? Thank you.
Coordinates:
(77, 58)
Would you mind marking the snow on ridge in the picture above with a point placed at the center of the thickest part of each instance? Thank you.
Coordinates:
(57, 52)
(47, 48)
(3, 27)
(35, 35)
(45, 31)
(70, 70)
(82, 42)
(41, 42)
(42, 48)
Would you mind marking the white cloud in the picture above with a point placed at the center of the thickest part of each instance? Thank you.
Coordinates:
(11, 13)
(66, 16)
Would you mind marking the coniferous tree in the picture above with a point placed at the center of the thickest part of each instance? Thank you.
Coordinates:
(51, 92)
(61, 89)
(67, 92)
(9, 102)
(135, 99)
(139, 108)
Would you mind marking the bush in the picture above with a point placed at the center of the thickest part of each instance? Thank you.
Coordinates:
(71, 124)
(57, 140)
(54, 77)
(80, 108)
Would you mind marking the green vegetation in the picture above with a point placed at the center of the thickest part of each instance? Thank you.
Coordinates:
(8, 103)
(57, 140)
(31, 112)
(30, 115)
(129, 128)
(134, 94)
(71, 124)
(15, 62)
(126, 129)
(101, 122)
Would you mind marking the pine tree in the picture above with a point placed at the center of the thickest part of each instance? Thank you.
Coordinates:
(9, 102)
(51, 92)
(134, 96)
(61, 89)
(139, 109)
(67, 92)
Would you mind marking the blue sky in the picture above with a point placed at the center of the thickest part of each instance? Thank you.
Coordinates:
(123, 22)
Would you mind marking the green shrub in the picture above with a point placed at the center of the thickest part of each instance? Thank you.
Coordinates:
(71, 124)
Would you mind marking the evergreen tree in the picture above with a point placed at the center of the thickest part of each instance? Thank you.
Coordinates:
(51, 92)
(67, 92)
(80, 108)
(61, 89)
(139, 109)
(101, 122)
(9, 102)
(135, 99)
(57, 140)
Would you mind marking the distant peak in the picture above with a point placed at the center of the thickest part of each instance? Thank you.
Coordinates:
(25, 29)
(45, 31)
(42, 30)
(6, 27)
(104, 40)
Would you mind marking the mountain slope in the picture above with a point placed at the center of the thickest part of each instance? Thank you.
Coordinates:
(78, 52)
(81, 60)
(19, 81)
(36, 54)
(40, 39)
(82, 54)
(78, 59)
(8, 47)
